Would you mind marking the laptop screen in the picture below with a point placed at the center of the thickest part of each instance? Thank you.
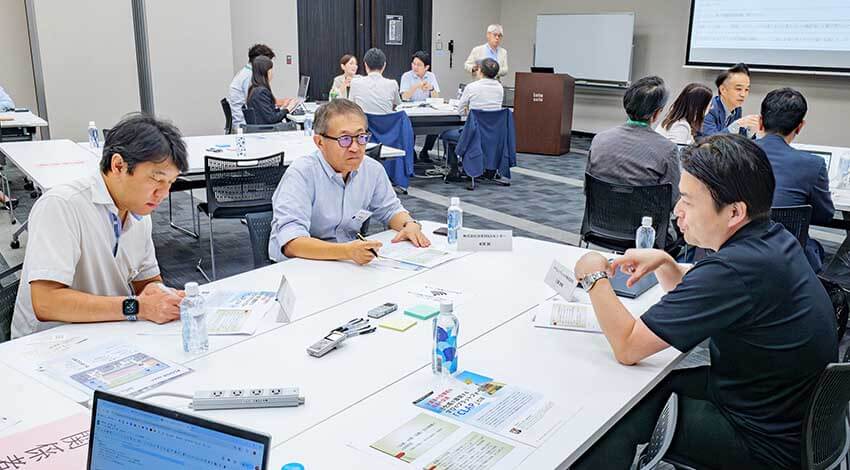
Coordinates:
(302, 87)
(827, 156)
(128, 434)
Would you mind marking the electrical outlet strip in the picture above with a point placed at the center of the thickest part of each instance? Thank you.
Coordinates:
(246, 398)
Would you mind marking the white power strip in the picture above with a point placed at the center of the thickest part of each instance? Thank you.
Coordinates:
(246, 398)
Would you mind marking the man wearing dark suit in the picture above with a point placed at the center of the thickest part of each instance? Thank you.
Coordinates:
(725, 113)
(801, 178)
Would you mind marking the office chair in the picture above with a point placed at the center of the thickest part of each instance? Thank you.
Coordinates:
(228, 116)
(795, 219)
(651, 453)
(279, 127)
(259, 229)
(826, 435)
(9, 281)
(612, 212)
(236, 188)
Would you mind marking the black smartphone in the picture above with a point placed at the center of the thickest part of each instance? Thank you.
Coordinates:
(444, 231)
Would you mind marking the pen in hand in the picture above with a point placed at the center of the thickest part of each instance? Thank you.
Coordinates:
(363, 239)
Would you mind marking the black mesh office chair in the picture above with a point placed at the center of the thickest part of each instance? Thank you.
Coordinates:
(259, 228)
(228, 116)
(279, 127)
(840, 299)
(236, 188)
(795, 219)
(186, 183)
(9, 281)
(826, 436)
(613, 212)
(651, 453)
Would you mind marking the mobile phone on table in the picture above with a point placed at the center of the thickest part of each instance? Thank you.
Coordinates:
(382, 310)
(444, 231)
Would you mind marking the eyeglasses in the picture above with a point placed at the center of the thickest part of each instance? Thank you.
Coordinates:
(345, 141)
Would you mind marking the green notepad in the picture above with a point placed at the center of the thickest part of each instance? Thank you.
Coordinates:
(422, 312)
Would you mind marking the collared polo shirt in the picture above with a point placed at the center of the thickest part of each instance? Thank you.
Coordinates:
(772, 331)
(312, 200)
(408, 79)
(237, 94)
(375, 94)
(73, 240)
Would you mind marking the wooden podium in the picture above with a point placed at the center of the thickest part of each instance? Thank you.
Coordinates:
(543, 112)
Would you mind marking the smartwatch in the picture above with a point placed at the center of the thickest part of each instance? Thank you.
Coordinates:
(588, 281)
(130, 308)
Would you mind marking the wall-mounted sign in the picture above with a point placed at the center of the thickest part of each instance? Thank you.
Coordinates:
(395, 30)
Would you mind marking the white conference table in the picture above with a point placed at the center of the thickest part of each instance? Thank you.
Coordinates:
(413, 112)
(20, 126)
(383, 369)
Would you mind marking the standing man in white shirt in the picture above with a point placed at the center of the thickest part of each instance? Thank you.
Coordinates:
(237, 94)
(374, 93)
(492, 49)
(90, 256)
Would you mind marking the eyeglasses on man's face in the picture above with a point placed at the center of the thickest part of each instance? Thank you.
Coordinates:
(345, 141)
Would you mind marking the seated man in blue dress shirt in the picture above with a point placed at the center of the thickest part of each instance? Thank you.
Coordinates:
(419, 84)
(724, 115)
(801, 178)
(323, 199)
(6, 103)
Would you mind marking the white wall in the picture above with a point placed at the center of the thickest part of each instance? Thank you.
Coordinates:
(661, 28)
(16, 60)
(191, 59)
(466, 23)
(89, 64)
(270, 22)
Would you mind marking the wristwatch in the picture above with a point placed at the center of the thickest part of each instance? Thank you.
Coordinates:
(130, 308)
(409, 221)
(588, 281)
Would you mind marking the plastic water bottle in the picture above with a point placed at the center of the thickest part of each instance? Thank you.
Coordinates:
(308, 126)
(455, 220)
(241, 144)
(94, 135)
(444, 356)
(645, 235)
(193, 315)
(333, 94)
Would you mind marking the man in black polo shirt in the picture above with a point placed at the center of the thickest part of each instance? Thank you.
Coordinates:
(770, 321)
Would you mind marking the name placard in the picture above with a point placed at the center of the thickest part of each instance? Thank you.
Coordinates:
(562, 280)
(285, 300)
(485, 240)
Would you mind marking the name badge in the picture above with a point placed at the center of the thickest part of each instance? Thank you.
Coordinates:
(562, 280)
(285, 300)
(485, 240)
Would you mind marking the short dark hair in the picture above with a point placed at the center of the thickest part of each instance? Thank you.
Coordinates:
(644, 98)
(489, 68)
(783, 110)
(333, 108)
(423, 56)
(346, 58)
(259, 49)
(734, 169)
(375, 59)
(141, 138)
(740, 67)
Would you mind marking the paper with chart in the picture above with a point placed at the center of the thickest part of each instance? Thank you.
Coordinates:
(405, 252)
(566, 316)
(228, 313)
(113, 367)
(502, 409)
(437, 295)
(428, 442)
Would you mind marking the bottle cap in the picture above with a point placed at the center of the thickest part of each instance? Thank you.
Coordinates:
(192, 288)
(446, 307)
(292, 466)
(91, 124)
(239, 130)
(646, 221)
(455, 201)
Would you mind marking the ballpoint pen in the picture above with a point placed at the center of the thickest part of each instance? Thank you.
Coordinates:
(363, 239)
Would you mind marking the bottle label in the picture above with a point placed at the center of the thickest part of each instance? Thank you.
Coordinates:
(445, 351)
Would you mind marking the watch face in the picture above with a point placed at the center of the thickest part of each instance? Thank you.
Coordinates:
(131, 307)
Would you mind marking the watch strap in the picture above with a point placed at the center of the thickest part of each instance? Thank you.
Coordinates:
(590, 280)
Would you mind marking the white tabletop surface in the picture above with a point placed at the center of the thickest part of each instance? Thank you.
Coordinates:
(29, 403)
(412, 112)
(51, 162)
(25, 119)
(365, 388)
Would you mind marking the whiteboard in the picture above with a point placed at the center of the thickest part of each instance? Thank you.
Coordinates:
(589, 47)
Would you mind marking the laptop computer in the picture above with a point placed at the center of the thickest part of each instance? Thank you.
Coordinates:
(619, 284)
(298, 108)
(542, 69)
(128, 434)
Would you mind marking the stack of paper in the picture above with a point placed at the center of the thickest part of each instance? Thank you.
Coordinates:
(566, 316)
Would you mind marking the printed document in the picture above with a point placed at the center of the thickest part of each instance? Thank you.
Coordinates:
(62, 444)
(425, 257)
(566, 316)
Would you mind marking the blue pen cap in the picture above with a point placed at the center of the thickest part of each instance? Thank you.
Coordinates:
(292, 466)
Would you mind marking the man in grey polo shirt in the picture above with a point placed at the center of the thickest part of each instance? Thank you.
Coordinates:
(90, 256)
(374, 93)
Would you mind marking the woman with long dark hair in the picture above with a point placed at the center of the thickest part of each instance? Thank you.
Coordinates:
(684, 120)
(261, 100)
